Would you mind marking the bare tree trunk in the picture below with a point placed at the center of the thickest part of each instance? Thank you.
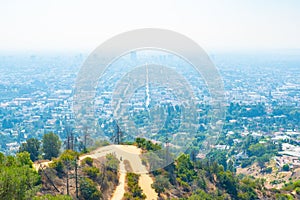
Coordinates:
(72, 140)
(68, 192)
(76, 179)
(85, 137)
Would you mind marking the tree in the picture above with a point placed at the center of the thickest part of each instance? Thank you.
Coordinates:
(51, 145)
(185, 169)
(218, 156)
(83, 144)
(230, 166)
(228, 182)
(257, 150)
(286, 167)
(117, 135)
(88, 190)
(2, 158)
(23, 159)
(68, 159)
(17, 179)
(32, 146)
(261, 161)
(70, 137)
(160, 184)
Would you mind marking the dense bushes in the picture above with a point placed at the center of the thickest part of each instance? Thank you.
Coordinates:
(291, 186)
(134, 191)
(258, 152)
(31, 146)
(51, 145)
(92, 172)
(104, 174)
(88, 161)
(64, 163)
(88, 190)
(18, 180)
(194, 180)
(160, 184)
(146, 144)
(112, 163)
(185, 169)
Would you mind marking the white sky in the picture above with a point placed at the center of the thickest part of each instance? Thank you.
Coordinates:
(84, 24)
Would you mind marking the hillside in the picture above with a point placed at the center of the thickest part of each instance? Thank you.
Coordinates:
(99, 156)
(122, 172)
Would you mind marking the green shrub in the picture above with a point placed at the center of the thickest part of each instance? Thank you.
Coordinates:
(134, 190)
(112, 163)
(57, 164)
(286, 168)
(284, 197)
(297, 183)
(88, 190)
(92, 172)
(88, 160)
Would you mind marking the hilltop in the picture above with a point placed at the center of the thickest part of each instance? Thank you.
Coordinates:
(128, 172)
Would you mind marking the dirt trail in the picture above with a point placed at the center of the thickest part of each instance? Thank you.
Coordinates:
(37, 165)
(132, 154)
(120, 190)
(145, 183)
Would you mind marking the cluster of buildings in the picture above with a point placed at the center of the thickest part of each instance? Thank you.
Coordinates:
(289, 155)
(36, 92)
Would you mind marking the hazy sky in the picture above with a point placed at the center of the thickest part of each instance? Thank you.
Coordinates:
(83, 25)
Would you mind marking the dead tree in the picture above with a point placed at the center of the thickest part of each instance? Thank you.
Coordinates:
(70, 138)
(76, 178)
(41, 167)
(68, 190)
(85, 139)
(117, 135)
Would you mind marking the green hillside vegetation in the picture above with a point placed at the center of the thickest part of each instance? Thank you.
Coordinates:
(134, 191)
(210, 178)
(95, 179)
(187, 178)
(18, 180)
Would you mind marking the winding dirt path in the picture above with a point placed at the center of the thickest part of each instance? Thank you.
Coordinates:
(126, 152)
(120, 190)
